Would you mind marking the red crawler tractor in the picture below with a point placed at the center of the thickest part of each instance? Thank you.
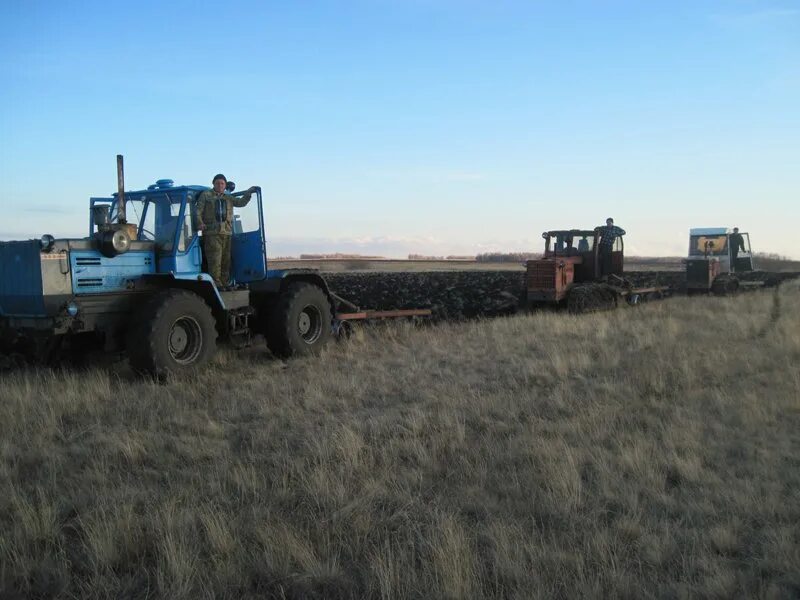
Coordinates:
(569, 274)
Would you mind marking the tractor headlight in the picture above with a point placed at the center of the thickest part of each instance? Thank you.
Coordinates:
(46, 242)
(120, 241)
(72, 309)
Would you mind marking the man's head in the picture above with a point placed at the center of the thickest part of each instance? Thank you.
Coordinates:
(219, 182)
(735, 230)
(609, 221)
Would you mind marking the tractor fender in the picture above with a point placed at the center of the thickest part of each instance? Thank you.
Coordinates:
(278, 281)
(264, 294)
(201, 284)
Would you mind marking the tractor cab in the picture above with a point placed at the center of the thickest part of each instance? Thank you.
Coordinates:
(571, 256)
(573, 247)
(714, 259)
(714, 243)
(161, 220)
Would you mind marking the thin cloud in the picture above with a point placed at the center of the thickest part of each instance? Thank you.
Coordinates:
(7, 236)
(51, 210)
(394, 246)
(766, 16)
(448, 175)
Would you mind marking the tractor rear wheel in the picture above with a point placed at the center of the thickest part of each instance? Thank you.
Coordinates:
(301, 322)
(174, 332)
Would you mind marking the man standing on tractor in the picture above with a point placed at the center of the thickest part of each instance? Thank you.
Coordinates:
(214, 217)
(737, 243)
(608, 234)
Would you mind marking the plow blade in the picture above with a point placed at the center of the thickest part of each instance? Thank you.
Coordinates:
(383, 314)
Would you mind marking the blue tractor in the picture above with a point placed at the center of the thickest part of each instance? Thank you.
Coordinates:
(137, 284)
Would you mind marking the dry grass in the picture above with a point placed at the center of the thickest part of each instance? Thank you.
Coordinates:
(650, 452)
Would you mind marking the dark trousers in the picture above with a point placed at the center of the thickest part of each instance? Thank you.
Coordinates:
(605, 261)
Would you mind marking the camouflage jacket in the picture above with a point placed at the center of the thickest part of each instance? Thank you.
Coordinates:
(205, 211)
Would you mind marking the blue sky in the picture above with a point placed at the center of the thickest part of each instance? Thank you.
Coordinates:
(429, 126)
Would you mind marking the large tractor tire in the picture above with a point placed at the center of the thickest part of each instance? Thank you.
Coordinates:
(174, 332)
(300, 323)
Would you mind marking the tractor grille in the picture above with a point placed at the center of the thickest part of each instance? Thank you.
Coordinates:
(84, 282)
(87, 260)
(697, 272)
(93, 273)
(21, 279)
(541, 274)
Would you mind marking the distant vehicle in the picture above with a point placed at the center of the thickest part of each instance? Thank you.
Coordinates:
(137, 283)
(568, 274)
(710, 266)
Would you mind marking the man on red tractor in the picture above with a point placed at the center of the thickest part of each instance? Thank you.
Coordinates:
(608, 234)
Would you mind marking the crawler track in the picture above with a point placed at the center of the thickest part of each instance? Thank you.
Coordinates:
(591, 297)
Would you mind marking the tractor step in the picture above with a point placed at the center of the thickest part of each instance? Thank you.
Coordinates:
(235, 299)
(239, 331)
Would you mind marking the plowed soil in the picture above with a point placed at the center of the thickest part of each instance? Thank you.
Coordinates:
(453, 295)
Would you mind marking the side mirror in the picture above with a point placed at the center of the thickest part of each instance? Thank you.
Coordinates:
(544, 235)
(230, 186)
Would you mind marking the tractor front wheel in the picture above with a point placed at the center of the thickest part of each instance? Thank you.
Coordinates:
(174, 332)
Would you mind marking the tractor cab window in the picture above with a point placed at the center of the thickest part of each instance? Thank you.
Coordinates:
(245, 218)
(563, 244)
(746, 240)
(584, 243)
(558, 244)
(708, 245)
(158, 218)
(188, 230)
(568, 243)
(135, 212)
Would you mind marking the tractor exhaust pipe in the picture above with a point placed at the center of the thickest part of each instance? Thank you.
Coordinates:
(121, 217)
(115, 238)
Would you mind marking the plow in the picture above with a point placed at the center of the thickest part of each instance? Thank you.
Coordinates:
(463, 295)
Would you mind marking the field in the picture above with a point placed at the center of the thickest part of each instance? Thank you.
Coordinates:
(400, 265)
(646, 452)
(453, 295)
(766, 262)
